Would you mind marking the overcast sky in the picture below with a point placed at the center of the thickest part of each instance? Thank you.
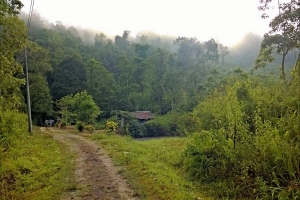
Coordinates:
(224, 20)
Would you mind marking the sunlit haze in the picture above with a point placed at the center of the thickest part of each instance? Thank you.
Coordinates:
(226, 21)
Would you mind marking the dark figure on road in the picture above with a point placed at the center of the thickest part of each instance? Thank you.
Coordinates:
(46, 123)
(51, 122)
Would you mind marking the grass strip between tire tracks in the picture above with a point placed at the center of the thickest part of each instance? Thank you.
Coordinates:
(152, 167)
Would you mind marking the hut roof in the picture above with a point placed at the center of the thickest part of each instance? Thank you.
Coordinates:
(145, 115)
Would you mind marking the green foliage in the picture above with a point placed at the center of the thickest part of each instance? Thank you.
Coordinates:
(12, 39)
(63, 124)
(135, 129)
(208, 157)
(151, 166)
(248, 147)
(13, 127)
(38, 59)
(81, 107)
(10, 7)
(79, 126)
(154, 129)
(85, 107)
(111, 126)
(89, 128)
(37, 168)
(41, 100)
(69, 77)
(65, 106)
(100, 125)
(171, 124)
(101, 85)
(283, 36)
(122, 42)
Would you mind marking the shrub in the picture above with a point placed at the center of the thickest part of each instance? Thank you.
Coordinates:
(207, 157)
(79, 126)
(63, 124)
(89, 128)
(154, 129)
(100, 126)
(135, 129)
(111, 125)
(13, 127)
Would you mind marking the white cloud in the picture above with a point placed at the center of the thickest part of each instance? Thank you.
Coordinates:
(226, 21)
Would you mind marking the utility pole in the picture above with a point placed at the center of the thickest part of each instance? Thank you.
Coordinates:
(28, 94)
(26, 72)
(298, 61)
(299, 17)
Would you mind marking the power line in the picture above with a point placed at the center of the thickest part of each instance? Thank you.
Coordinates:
(26, 72)
(30, 14)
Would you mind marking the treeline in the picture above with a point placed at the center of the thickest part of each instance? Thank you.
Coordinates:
(148, 72)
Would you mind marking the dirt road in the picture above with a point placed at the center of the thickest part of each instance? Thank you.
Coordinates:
(95, 175)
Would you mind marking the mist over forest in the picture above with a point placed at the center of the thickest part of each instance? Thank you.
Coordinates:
(242, 54)
(236, 110)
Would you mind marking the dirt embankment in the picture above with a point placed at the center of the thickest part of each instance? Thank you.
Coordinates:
(95, 175)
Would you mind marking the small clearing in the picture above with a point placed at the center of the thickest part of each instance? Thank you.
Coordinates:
(95, 175)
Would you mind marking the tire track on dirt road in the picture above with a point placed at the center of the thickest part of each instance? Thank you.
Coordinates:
(95, 174)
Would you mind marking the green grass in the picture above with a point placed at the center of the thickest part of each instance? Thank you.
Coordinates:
(37, 168)
(151, 166)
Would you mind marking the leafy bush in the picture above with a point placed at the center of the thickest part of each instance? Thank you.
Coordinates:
(89, 128)
(111, 125)
(63, 124)
(167, 125)
(79, 126)
(100, 125)
(207, 157)
(13, 127)
(154, 129)
(135, 129)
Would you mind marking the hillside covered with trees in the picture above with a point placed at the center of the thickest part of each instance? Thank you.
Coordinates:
(243, 122)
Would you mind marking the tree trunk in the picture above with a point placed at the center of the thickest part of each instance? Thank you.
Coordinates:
(282, 65)
(234, 134)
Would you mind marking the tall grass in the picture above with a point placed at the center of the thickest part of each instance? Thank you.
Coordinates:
(249, 148)
(152, 166)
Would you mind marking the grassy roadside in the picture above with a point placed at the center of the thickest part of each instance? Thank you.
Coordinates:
(151, 166)
(37, 168)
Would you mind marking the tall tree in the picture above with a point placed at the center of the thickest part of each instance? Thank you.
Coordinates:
(122, 42)
(211, 52)
(38, 67)
(10, 7)
(69, 77)
(65, 106)
(275, 43)
(100, 40)
(189, 51)
(101, 85)
(41, 100)
(85, 108)
(13, 37)
(284, 34)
